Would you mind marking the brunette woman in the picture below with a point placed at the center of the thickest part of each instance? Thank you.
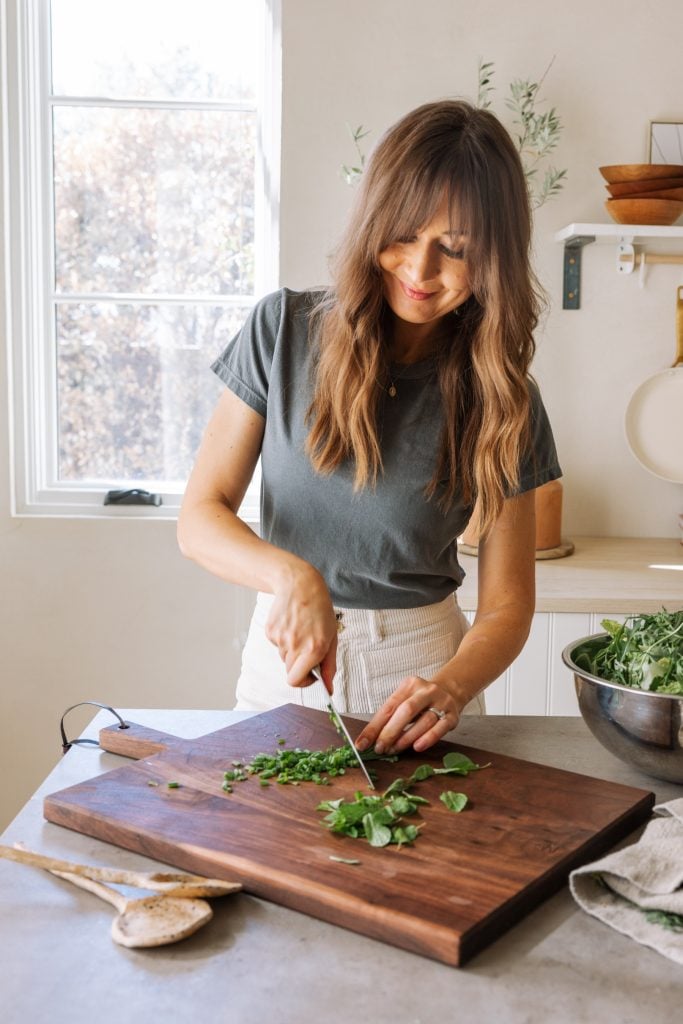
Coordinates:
(387, 412)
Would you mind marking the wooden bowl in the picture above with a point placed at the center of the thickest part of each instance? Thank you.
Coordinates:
(638, 172)
(665, 193)
(644, 211)
(626, 189)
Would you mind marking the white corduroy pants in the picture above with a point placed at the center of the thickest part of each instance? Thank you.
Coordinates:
(376, 649)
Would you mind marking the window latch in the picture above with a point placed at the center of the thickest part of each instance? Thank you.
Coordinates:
(132, 496)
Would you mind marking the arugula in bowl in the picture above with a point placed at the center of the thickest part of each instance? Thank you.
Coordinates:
(645, 652)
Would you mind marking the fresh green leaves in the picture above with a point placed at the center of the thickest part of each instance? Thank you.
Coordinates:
(645, 652)
(453, 801)
(377, 818)
(380, 818)
(454, 763)
(376, 833)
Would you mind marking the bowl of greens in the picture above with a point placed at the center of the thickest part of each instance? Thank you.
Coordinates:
(629, 684)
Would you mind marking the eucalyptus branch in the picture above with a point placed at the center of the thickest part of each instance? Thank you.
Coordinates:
(537, 134)
(484, 74)
(353, 174)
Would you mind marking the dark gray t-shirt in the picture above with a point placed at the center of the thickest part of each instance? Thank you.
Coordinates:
(382, 547)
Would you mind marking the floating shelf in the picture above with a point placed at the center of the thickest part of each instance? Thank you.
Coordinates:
(576, 236)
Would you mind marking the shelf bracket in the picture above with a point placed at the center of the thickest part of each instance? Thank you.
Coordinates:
(571, 289)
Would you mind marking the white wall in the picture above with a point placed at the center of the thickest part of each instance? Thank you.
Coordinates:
(109, 610)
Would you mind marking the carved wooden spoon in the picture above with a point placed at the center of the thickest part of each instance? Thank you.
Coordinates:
(149, 921)
(169, 883)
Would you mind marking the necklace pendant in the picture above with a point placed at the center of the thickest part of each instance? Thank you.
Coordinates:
(392, 390)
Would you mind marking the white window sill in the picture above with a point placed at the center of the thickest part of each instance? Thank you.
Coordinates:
(90, 505)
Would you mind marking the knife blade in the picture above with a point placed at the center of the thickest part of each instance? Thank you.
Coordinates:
(338, 718)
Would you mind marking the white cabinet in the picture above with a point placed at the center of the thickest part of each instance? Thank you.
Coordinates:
(605, 578)
(538, 682)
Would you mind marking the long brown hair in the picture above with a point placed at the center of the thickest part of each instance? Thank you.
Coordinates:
(452, 148)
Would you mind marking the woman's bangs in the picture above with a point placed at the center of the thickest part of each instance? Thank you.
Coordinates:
(467, 217)
(413, 204)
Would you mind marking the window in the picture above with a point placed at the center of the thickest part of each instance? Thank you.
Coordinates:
(141, 160)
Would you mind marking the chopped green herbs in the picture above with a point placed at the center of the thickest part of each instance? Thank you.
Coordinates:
(173, 785)
(290, 767)
(380, 819)
(645, 652)
(667, 920)
(453, 801)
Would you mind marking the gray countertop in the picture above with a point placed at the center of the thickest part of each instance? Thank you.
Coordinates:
(258, 962)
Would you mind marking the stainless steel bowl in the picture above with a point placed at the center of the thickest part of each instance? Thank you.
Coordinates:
(641, 727)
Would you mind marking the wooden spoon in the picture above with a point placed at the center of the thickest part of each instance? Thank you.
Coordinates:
(149, 921)
(171, 884)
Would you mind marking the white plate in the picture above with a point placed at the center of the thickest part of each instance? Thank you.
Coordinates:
(654, 424)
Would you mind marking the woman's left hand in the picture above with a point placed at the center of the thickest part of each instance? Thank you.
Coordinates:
(418, 714)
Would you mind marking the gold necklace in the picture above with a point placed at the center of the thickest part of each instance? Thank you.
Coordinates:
(392, 390)
(395, 378)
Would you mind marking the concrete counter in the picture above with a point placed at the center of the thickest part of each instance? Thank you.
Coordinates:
(256, 962)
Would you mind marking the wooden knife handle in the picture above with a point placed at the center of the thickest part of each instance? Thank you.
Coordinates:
(137, 741)
(679, 326)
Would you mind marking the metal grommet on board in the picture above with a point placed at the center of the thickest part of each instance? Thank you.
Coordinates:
(67, 744)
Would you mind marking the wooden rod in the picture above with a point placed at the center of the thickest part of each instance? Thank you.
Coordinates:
(652, 257)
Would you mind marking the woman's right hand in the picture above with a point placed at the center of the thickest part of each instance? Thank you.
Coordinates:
(302, 625)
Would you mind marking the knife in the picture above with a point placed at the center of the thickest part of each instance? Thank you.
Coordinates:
(340, 721)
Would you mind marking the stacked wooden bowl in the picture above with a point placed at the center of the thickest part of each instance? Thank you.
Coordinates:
(644, 193)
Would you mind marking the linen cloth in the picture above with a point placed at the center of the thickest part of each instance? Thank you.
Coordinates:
(622, 887)
(376, 649)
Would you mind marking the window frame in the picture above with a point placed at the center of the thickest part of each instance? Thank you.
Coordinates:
(28, 253)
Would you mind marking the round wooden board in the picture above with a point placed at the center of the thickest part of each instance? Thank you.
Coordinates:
(564, 548)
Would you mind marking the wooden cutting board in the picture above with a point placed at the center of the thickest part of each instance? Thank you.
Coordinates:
(468, 877)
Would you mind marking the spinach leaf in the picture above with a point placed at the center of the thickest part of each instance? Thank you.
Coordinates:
(454, 759)
(453, 801)
(376, 832)
(401, 805)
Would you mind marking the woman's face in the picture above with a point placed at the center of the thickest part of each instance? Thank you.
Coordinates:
(426, 276)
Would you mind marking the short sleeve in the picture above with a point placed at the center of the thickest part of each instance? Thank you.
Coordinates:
(539, 464)
(245, 364)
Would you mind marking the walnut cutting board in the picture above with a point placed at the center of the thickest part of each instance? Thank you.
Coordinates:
(468, 878)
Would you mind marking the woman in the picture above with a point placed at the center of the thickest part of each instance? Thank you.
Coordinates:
(387, 412)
